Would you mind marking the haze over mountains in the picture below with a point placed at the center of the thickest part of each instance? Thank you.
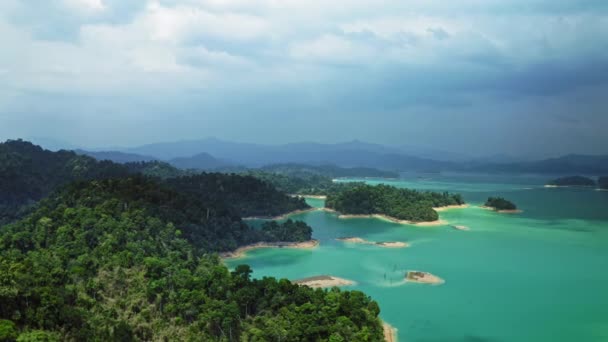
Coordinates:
(214, 153)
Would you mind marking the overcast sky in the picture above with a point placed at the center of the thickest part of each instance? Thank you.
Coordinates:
(525, 77)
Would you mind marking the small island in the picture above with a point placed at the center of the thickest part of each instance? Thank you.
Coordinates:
(385, 244)
(578, 181)
(423, 278)
(323, 281)
(391, 203)
(602, 182)
(501, 205)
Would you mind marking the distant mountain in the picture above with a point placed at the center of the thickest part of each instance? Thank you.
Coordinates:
(200, 161)
(569, 164)
(116, 156)
(349, 154)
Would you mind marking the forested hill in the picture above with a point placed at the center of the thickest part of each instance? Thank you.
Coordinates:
(402, 204)
(29, 173)
(126, 259)
(247, 195)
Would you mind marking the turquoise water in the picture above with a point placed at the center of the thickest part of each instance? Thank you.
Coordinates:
(536, 276)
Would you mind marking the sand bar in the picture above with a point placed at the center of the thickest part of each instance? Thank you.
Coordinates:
(281, 217)
(385, 244)
(458, 227)
(241, 251)
(390, 333)
(323, 281)
(423, 278)
(449, 207)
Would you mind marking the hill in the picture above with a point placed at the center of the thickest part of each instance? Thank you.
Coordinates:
(116, 156)
(199, 161)
(572, 181)
(129, 260)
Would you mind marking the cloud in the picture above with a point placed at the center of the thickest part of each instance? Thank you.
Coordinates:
(272, 58)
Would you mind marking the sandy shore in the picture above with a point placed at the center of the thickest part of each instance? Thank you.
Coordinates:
(241, 251)
(448, 207)
(394, 220)
(390, 333)
(423, 278)
(281, 217)
(323, 281)
(309, 196)
(516, 211)
(385, 244)
(460, 227)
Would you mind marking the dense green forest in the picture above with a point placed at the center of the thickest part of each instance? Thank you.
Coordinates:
(499, 203)
(246, 195)
(128, 259)
(603, 182)
(572, 181)
(28, 173)
(402, 204)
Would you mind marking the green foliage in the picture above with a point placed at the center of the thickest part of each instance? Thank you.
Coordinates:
(328, 171)
(128, 259)
(286, 231)
(39, 336)
(403, 204)
(242, 195)
(499, 203)
(155, 168)
(8, 330)
(572, 181)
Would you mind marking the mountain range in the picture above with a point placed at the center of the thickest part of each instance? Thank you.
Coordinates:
(213, 153)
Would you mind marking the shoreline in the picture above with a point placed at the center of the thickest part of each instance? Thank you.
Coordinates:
(505, 211)
(385, 244)
(280, 217)
(390, 332)
(241, 251)
(309, 196)
(395, 220)
(449, 207)
(323, 281)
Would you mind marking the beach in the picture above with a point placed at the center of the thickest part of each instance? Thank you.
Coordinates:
(390, 333)
(395, 220)
(514, 211)
(241, 251)
(323, 281)
(449, 207)
(310, 196)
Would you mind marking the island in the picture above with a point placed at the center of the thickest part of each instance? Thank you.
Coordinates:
(385, 244)
(602, 182)
(391, 203)
(423, 278)
(578, 181)
(323, 281)
(501, 205)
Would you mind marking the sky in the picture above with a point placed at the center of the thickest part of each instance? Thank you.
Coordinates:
(482, 77)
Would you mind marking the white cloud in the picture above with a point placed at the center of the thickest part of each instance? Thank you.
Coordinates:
(85, 5)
